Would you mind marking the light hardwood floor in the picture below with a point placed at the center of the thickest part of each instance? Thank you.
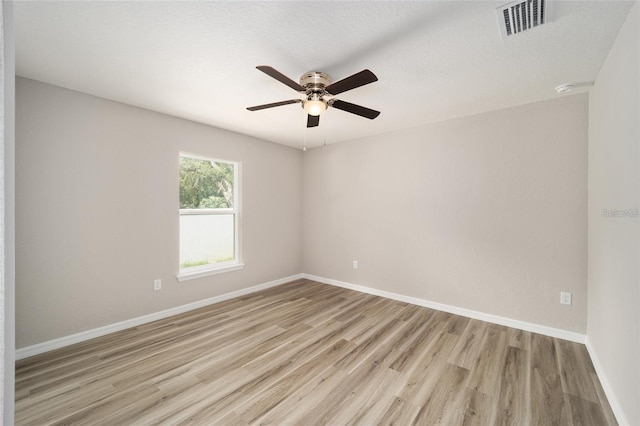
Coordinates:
(307, 353)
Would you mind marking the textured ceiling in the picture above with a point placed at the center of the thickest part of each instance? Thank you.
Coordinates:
(435, 60)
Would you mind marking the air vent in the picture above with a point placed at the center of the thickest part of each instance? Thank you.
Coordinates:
(519, 16)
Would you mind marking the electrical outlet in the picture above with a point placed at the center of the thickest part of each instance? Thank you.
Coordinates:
(565, 298)
(355, 264)
(157, 284)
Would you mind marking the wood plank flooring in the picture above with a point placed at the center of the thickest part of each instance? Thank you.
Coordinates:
(306, 353)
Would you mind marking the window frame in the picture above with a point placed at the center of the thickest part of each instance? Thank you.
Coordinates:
(222, 267)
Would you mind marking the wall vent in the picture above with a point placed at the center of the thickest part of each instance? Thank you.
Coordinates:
(523, 15)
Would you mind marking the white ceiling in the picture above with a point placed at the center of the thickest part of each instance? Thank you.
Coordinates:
(435, 60)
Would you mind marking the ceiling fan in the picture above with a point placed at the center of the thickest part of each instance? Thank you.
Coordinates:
(317, 87)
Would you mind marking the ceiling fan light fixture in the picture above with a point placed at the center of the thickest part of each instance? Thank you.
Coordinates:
(315, 107)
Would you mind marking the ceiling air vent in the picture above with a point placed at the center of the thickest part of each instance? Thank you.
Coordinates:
(519, 16)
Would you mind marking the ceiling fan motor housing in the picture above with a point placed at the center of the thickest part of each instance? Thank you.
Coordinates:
(315, 81)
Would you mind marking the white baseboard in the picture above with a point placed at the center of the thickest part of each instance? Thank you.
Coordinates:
(111, 328)
(134, 322)
(606, 386)
(495, 319)
(522, 325)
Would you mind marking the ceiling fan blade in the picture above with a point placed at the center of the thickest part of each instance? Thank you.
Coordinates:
(356, 80)
(313, 120)
(275, 104)
(354, 109)
(272, 72)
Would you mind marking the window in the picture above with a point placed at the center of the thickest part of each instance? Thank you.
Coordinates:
(209, 216)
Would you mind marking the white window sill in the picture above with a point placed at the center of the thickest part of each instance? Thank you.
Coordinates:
(204, 272)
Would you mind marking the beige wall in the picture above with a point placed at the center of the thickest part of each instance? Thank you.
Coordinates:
(97, 211)
(614, 282)
(486, 212)
(7, 216)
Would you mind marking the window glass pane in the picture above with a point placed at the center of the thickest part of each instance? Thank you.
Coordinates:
(206, 239)
(205, 184)
(208, 212)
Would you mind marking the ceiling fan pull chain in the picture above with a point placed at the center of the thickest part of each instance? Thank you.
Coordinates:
(324, 131)
(304, 138)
